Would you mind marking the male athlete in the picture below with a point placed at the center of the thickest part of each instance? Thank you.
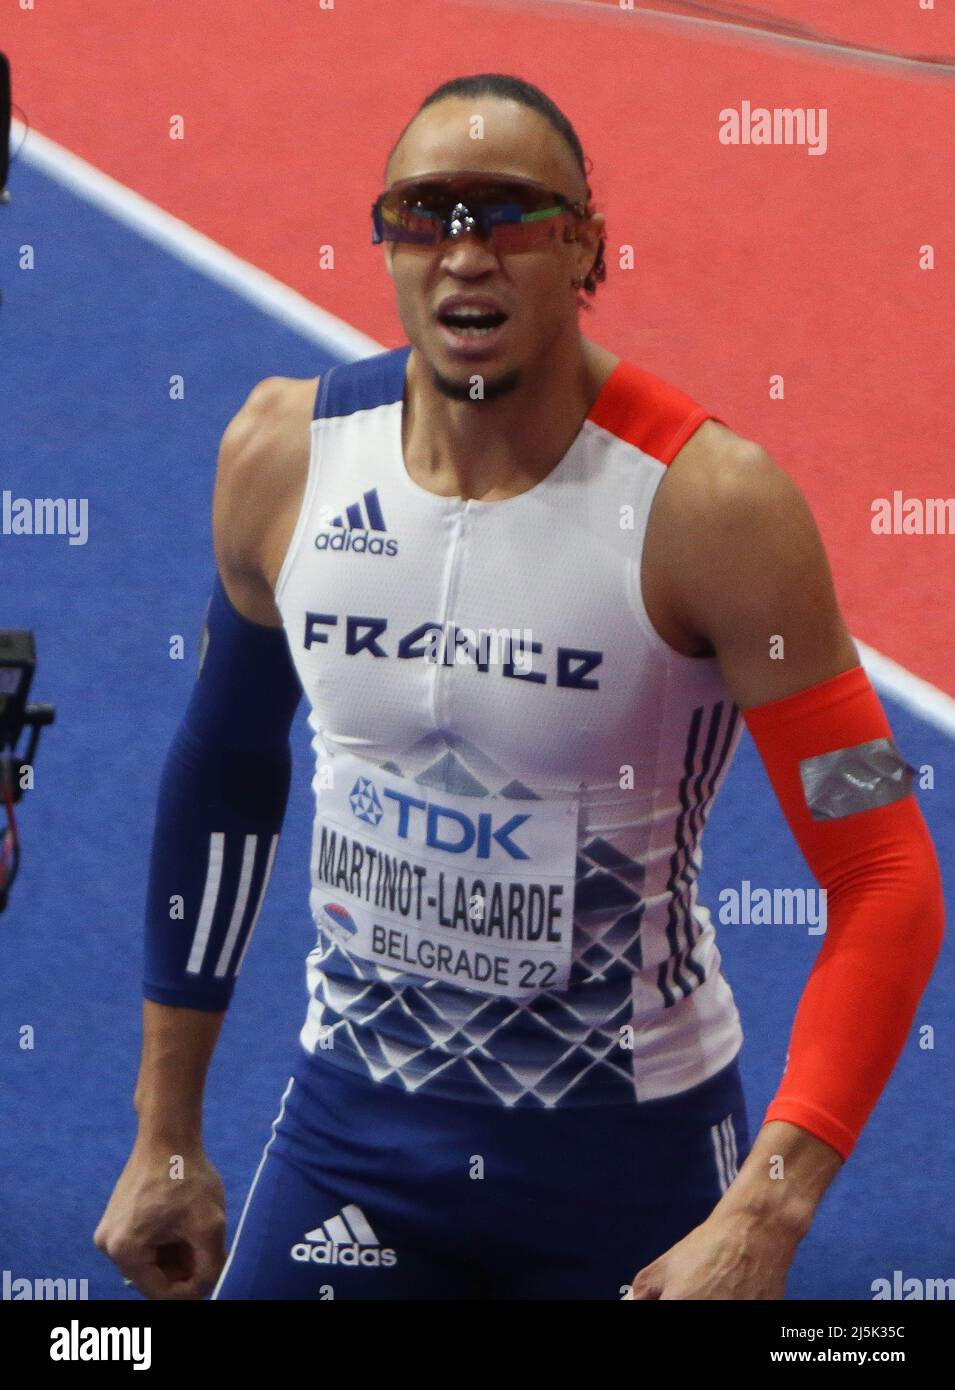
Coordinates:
(531, 593)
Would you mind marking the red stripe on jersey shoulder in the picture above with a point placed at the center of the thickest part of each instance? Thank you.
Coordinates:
(646, 411)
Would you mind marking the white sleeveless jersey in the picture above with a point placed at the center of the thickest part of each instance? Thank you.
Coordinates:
(513, 769)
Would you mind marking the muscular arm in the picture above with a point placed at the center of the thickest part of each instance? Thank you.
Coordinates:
(260, 479)
(748, 574)
(253, 481)
(744, 565)
(220, 806)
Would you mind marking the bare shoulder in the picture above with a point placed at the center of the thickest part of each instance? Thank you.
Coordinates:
(717, 472)
(703, 491)
(730, 508)
(260, 479)
(740, 561)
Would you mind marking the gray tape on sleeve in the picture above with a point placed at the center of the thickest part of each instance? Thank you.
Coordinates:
(854, 779)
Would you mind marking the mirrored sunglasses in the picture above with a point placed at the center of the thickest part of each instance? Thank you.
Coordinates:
(513, 214)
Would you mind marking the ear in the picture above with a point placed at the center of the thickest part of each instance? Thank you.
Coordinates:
(389, 249)
(588, 239)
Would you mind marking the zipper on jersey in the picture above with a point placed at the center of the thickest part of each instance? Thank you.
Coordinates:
(440, 680)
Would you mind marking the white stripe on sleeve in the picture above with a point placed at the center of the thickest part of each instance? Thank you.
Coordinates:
(210, 896)
(258, 908)
(238, 911)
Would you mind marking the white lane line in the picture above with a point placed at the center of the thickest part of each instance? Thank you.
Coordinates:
(916, 695)
(192, 247)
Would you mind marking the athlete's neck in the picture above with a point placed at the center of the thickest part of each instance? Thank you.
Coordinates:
(493, 449)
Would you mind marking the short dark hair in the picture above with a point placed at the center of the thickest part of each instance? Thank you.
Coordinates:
(496, 84)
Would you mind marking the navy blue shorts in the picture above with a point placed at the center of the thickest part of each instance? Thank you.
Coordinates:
(366, 1191)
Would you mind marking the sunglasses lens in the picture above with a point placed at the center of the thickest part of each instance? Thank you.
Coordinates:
(527, 229)
(516, 216)
(405, 219)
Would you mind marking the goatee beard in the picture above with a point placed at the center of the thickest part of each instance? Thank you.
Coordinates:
(490, 390)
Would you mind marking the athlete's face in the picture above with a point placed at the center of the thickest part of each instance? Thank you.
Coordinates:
(532, 287)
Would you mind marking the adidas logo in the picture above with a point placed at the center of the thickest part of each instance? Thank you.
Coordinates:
(344, 1240)
(356, 527)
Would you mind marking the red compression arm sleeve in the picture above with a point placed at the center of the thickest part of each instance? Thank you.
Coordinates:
(883, 897)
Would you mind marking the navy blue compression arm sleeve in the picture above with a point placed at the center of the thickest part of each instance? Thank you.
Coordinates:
(222, 800)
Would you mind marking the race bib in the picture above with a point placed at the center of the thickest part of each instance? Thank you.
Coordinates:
(475, 891)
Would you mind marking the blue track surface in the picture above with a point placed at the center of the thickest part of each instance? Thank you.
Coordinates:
(91, 338)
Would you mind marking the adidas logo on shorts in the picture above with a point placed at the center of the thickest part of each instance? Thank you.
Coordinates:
(343, 1240)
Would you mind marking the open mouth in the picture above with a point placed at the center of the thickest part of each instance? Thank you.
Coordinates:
(472, 323)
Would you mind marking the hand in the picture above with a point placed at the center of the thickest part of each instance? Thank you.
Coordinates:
(166, 1235)
(730, 1255)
